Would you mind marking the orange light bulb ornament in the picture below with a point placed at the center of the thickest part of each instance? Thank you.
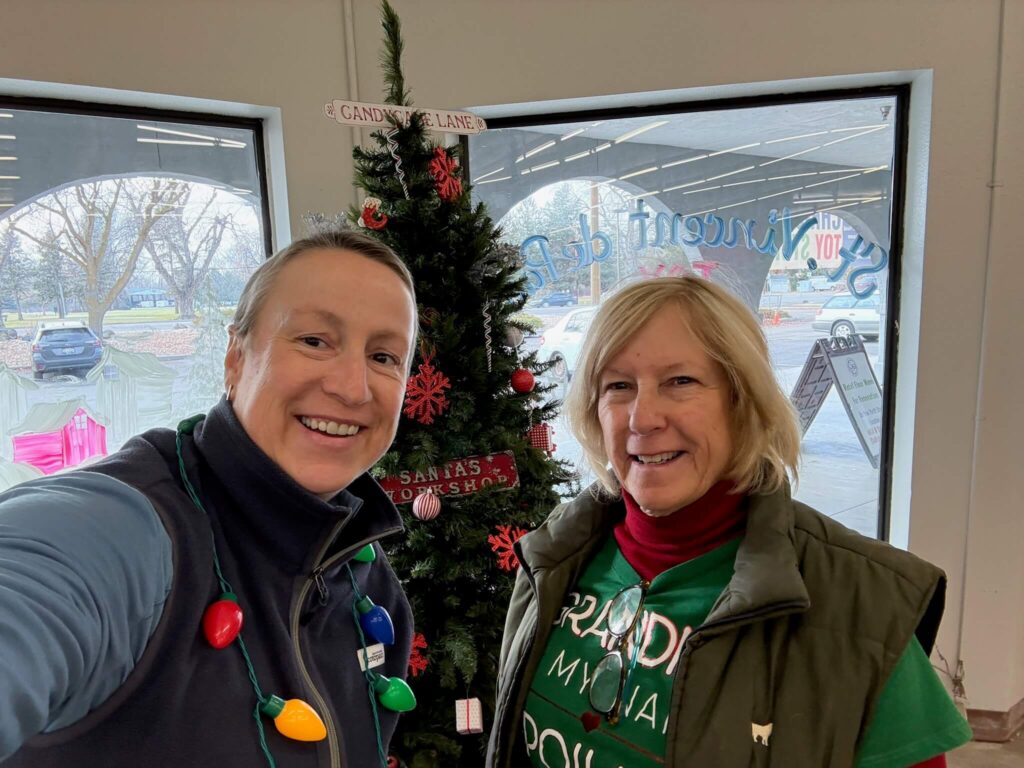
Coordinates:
(294, 718)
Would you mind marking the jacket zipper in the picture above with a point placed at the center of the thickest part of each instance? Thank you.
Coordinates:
(316, 578)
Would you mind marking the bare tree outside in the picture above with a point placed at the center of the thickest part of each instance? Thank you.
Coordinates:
(101, 227)
(183, 245)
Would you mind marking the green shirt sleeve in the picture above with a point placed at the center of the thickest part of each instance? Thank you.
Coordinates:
(916, 718)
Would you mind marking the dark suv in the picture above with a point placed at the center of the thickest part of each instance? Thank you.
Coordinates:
(558, 299)
(64, 346)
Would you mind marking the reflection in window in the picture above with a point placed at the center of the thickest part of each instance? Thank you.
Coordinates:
(124, 245)
(788, 206)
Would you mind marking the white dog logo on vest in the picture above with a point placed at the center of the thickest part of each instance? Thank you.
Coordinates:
(761, 733)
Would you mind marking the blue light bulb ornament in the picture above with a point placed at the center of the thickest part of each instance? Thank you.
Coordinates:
(376, 621)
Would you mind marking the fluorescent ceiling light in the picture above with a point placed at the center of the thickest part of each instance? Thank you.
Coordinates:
(9, 157)
(10, 178)
(687, 160)
(6, 114)
(637, 131)
(740, 183)
(860, 128)
(542, 166)
(731, 173)
(602, 147)
(735, 205)
(577, 156)
(175, 133)
(569, 135)
(796, 175)
(491, 181)
(541, 148)
(832, 181)
(704, 189)
(241, 191)
(684, 186)
(794, 138)
(701, 213)
(6, 205)
(734, 149)
(639, 173)
(184, 142)
(787, 157)
(8, 136)
(777, 194)
(491, 173)
(520, 158)
(594, 125)
(851, 136)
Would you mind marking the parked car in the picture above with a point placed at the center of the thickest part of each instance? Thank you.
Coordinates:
(558, 299)
(561, 343)
(844, 315)
(64, 346)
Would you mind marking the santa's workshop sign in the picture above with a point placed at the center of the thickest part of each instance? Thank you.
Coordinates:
(460, 477)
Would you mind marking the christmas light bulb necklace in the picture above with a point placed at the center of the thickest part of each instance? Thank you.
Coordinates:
(294, 718)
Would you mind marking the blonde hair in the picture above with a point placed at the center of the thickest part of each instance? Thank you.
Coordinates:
(262, 280)
(260, 283)
(764, 427)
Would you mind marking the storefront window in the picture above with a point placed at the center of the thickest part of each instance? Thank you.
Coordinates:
(788, 205)
(125, 241)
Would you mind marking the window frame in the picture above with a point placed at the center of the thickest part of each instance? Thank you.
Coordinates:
(126, 112)
(897, 210)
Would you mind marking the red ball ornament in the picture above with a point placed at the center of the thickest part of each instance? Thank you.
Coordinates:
(523, 381)
(426, 506)
(222, 621)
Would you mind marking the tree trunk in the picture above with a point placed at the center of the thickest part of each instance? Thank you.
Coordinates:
(96, 320)
(186, 301)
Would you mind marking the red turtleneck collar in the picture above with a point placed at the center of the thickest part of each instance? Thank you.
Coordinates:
(655, 544)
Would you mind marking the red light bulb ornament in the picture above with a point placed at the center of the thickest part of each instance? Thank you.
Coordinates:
(222, 621)
(294, 718)
(376, 621)
(523, 381)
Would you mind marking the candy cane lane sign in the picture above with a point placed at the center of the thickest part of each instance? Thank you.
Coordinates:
(376, 115)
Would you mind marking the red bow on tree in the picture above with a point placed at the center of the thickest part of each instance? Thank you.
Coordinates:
(443, 168)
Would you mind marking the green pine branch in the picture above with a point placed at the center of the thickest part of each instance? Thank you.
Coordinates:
(391, 57)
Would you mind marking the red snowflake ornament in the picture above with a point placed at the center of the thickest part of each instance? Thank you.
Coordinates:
(424, 394)
(417, 661)
(502, 545)
(444, 168)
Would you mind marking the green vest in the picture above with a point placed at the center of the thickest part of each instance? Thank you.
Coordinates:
(787, 668)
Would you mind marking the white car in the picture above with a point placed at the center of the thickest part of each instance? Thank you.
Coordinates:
(561, 343)
(844, 315)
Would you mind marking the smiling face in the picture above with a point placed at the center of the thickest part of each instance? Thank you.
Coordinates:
(664, 414)
(320, 380)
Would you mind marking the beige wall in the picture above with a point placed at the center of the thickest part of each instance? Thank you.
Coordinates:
(961, 460)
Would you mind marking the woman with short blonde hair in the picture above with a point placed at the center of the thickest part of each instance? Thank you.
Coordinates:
(685, 610)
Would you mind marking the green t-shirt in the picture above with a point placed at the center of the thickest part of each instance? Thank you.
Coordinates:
(915, 720)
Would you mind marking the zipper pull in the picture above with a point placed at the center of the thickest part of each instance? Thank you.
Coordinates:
(321, 585)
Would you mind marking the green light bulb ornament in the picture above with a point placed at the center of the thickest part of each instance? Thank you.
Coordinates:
(365, 555)
(394, 693)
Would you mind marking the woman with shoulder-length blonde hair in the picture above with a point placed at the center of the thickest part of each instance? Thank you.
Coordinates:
(685, 610)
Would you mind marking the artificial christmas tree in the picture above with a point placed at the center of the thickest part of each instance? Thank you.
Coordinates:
(469, 288)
